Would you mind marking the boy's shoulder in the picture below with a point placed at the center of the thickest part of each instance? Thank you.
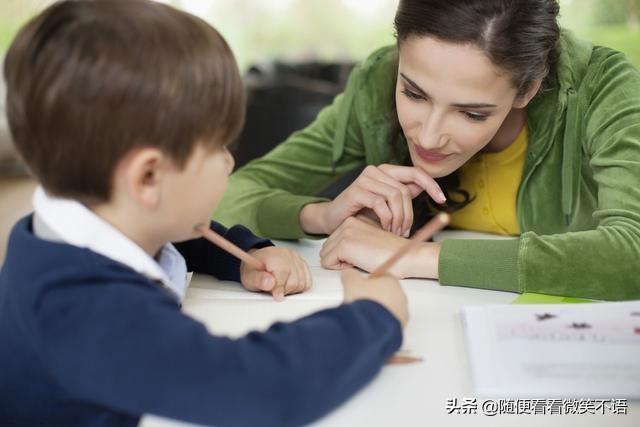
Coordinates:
(34, 267)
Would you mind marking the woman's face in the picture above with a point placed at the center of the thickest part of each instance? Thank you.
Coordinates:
(451, 101)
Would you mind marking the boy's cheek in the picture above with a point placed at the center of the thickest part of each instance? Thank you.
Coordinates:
(219, 191)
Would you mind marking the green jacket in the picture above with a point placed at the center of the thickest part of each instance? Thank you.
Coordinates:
(578, 204)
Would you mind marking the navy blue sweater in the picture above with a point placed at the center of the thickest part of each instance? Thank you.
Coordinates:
(85, 340)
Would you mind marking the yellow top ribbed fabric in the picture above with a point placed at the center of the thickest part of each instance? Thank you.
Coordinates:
(493, 178)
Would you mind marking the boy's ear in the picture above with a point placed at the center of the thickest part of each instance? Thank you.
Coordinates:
(143, 174)
(532, 89)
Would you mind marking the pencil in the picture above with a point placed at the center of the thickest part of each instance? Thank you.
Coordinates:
(428, 230)
(401, 359)
(226, 245)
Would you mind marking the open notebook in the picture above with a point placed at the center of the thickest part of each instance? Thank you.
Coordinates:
(555, 350)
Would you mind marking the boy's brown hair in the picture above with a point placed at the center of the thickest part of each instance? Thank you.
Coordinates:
(89, 81)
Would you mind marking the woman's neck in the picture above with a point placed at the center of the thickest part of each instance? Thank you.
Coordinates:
(508, 132)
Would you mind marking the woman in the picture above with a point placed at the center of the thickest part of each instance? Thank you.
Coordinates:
(487, 110)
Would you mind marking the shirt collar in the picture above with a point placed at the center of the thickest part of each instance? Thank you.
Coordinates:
(73, 223)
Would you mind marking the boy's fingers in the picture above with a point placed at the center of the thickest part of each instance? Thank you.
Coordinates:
(278, 293)
(293, 284)
(307, 272)
(266, 282)
(296, 283)
(281, 275)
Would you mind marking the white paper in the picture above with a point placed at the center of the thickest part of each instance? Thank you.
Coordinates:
(560, 350)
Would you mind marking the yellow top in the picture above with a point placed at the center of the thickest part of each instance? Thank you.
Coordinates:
(493, 178)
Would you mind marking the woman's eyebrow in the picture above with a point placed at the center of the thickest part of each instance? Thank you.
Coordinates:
(457, 105)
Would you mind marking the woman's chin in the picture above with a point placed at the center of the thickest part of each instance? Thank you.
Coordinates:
(434, 170)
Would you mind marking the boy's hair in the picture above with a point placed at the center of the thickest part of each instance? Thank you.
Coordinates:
(90, 81)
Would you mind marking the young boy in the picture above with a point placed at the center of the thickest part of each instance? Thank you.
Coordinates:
(122, 109)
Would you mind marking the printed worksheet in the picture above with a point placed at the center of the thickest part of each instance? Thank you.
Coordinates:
(559, 350)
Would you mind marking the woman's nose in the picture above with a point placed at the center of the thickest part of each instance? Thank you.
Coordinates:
(431, 134)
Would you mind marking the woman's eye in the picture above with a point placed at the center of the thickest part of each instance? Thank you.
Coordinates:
(475, 117)
(411, 95)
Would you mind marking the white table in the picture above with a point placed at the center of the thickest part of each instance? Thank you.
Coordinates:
(407, 395)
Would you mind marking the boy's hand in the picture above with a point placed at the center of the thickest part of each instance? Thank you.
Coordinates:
(286, 273)
(385, 290)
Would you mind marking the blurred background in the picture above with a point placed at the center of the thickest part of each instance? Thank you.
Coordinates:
(330, 30)
(296, 55)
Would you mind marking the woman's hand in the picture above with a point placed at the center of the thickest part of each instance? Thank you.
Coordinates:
(386, 190)
(360, 243)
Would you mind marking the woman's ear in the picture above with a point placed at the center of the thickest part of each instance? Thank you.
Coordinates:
(532, 89)
(143, 173)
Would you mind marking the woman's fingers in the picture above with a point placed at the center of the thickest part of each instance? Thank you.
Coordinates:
(400, 196)
(364, 197)
(411, 174)
(388, 191)
(329, 256)
(396, 198)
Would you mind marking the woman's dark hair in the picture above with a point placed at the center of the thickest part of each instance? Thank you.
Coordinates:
(518, 36)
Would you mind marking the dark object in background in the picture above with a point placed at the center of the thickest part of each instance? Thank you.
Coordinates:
(11, 165)
(286, 97)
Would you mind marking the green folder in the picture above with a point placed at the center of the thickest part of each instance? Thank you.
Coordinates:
(530, 298)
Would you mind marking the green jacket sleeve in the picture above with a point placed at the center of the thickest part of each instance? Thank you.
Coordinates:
(603, 263)
(267, 194)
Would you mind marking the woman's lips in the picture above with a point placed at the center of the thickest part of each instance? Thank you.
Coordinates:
(430, 156)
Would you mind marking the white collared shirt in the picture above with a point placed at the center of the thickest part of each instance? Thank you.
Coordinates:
(71, 222)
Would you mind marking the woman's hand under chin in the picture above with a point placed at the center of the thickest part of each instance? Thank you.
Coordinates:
(360, 242)
(385, 191)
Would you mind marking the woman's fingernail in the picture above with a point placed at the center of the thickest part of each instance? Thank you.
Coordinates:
(441, 197)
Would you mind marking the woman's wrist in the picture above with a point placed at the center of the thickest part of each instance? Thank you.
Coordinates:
(423, 262)
(312, 218)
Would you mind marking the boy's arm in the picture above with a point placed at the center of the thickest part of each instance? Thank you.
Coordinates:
(203, 256)
(128, 348)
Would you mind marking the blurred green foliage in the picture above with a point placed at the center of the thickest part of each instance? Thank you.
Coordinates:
(259, 30)
(612, 23)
